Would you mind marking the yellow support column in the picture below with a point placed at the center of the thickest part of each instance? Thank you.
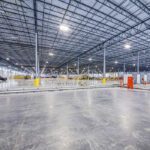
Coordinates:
(37, 82)
(104, 81)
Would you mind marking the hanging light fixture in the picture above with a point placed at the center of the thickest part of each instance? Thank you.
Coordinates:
(64, 28)
(127, 46)
(116, 62)
(51, 54)
(90, 59)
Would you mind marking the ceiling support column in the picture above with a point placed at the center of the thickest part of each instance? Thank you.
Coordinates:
(37, 66)
(67, 71)
(104, 63)
(78, 69)
(88, 72)
(124, 68)
(138, 63)
(36, 56)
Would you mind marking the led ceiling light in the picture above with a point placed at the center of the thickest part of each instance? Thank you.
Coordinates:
(46, 62)
(14, 37)
(127, 46)
(7, 58)
(64, 28)
(116, 62)
(90, 59)
(51, 54)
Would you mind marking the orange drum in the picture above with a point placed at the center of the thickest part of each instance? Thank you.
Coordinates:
(130, 83)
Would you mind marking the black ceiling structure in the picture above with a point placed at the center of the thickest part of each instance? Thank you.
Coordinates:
(93, 25)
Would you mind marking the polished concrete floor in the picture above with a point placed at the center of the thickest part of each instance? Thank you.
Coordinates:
(101, 119)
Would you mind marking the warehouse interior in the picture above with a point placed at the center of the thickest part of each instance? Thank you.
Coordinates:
(75, 74)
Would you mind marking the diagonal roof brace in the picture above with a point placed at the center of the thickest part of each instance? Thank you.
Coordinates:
(141, 5)
(116, 38)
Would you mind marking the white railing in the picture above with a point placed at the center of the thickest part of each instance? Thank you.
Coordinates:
(53, 84)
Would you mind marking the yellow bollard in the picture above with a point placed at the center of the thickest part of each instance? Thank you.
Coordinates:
(37, 82)
(104, 81)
